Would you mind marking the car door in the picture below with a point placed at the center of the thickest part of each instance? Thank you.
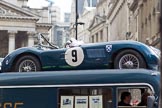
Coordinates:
(53, 59)
(96, 57)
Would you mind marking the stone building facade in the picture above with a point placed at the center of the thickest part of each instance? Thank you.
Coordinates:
(55, 14)
(126, 20)
(147, 15)
(86, 12)
(112, 22)
(135, 20)
(85, 19)
(61, 33)
(98, 27)
(19, 24)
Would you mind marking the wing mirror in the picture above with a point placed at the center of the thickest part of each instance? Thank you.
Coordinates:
(151, 102)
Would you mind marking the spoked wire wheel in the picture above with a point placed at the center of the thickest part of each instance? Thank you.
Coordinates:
(27, 66)
(129, 61)
(27, 63)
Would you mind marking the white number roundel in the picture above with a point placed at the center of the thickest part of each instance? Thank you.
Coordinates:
(74, 56)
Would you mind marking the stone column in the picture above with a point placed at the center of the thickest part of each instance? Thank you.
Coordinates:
(31, 38)
(11, 40)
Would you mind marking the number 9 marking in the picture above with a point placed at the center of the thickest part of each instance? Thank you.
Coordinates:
(74, 56)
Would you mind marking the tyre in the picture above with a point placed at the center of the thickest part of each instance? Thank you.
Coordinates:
(129, 59)
(27, 63)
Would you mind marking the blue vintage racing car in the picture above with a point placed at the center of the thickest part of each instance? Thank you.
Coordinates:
(106, 55)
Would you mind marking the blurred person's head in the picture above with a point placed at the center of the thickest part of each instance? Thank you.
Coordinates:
(126, 97)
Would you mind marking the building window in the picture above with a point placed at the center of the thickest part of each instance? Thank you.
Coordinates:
(107, 33)
(158, 7)
(92, 39)
(2, 11)
(96, 37)
(101, 35)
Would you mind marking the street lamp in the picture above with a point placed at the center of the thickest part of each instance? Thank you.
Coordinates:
(80, 23)
(76, 18)
(76, 28)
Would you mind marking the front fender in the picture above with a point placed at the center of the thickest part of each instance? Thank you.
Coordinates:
(8, 61)
(148, 54)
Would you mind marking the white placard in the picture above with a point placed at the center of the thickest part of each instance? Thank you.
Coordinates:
(74, 56)
(81, 101)
(95, 101)
(67, 101)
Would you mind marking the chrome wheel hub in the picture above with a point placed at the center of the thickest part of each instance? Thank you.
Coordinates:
(27, 68)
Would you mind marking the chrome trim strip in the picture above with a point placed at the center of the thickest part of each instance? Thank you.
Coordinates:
(80, 85)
